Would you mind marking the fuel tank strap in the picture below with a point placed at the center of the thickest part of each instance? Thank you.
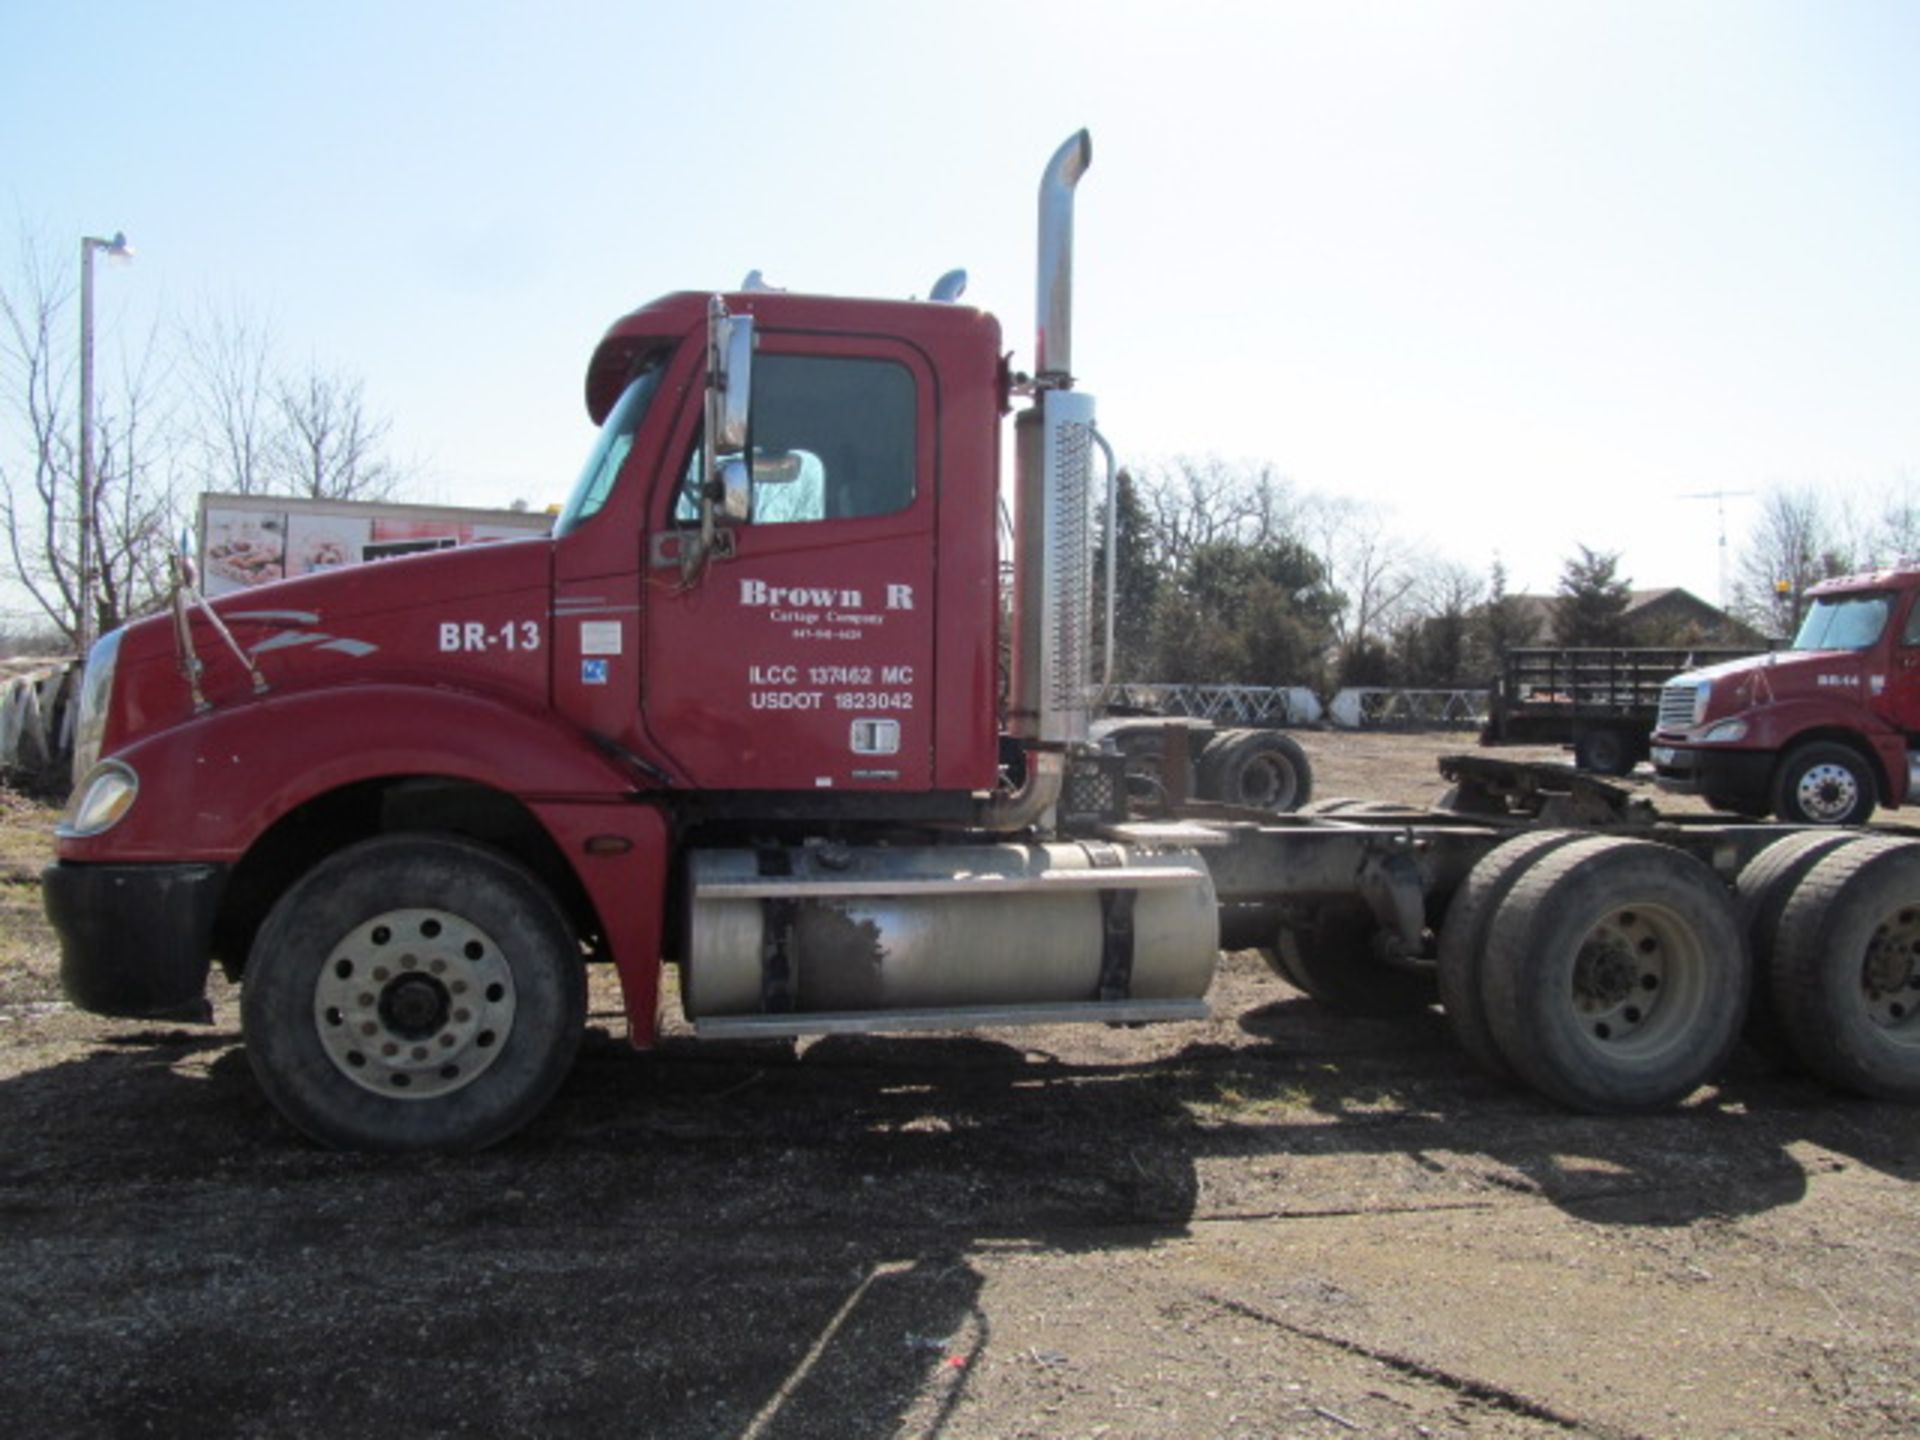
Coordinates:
(1116, 923)
(776, 945)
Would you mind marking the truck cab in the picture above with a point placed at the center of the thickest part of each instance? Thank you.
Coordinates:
(1820, 733)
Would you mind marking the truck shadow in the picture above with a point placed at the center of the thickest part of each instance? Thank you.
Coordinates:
(764, 1241)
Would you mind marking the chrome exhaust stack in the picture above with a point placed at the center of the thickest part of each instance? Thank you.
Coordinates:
(1053, 301)
(1053, 534)
(1053, 467)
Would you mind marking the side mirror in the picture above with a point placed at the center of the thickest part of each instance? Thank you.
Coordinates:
(727, 493)
(734, 488)
(729, 378)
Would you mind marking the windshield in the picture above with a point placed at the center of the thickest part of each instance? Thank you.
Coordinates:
(609, 452)
(1843, 622)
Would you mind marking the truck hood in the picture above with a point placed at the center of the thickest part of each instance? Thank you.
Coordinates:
(1786, 674)
(378, 622)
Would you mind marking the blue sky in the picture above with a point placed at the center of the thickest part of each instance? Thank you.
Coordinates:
(1522, 273)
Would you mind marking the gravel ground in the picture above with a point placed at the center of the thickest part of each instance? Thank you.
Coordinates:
(1273, 1223)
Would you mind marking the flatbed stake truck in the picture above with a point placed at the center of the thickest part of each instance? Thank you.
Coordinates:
(739, 714)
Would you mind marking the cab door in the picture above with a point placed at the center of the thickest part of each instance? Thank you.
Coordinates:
(799, 655)
(1901, 703)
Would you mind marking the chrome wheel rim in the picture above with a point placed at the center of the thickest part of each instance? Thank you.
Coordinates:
(414, 1004)
(1827, 793)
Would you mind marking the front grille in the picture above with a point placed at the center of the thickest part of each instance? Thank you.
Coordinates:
(1679, 699)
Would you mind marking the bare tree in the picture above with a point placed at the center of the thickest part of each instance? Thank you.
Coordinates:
(131, 501)
(229, 377)
(264, 429)
(1193, 502)
(329, 445)
(1374, 572)
(1897, 541)
(1796, 543)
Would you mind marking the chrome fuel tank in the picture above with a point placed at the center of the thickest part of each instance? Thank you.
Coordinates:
(848, 929)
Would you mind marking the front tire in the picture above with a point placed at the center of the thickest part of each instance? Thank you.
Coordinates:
(1824, 783)
(413, 993)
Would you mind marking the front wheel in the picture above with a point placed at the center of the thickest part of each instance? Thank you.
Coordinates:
(413, 993)
(1824, 783)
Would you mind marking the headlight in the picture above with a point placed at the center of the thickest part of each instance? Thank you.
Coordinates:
(100, 801)
(1726, 732)
(96, 698)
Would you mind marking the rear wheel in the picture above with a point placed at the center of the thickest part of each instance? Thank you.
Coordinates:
(1463, 941)
(1258, 769)
(1846, 969)
(413, 993)
(1331, 958)
(1761, 893)
(1824, 783)
(1615, 976)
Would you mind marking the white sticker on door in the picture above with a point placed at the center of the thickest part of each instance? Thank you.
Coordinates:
(600, 637)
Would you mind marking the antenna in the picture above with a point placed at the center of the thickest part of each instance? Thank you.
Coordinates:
(1719, 498)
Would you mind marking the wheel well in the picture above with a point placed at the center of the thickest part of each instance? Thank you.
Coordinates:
(306, 835)
(1848, 740)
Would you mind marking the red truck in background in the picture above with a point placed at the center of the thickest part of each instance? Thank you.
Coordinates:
(740, 717)
(1820, 733)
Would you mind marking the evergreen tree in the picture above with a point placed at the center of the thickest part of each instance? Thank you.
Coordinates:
(1502, 622)
(1137, 584)
(1593, 601)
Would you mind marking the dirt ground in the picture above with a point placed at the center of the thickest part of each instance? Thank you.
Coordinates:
(1273, 1223)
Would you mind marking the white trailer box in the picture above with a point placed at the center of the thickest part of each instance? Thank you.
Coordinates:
(253, 539)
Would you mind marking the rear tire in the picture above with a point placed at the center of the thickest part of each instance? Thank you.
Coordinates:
(1767, 882)
(1256, 769)
(1846, 969)
(1615, 975)
(1331, 959)
(1463, 941)
(413, 993)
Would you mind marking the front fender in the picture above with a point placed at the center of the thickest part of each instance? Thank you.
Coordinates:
(210, 786)
(1781, 726)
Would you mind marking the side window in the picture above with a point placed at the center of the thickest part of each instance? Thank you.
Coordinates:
(1910, 635)
(833, 439)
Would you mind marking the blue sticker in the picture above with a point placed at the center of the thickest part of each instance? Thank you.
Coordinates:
(593, 672)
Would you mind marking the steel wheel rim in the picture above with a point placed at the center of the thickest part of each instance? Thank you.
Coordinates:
(1267, 783)
(414, 1004)
(1827, 792)
(1890, 977)
(1638, 981)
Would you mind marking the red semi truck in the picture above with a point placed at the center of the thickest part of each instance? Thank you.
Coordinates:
(1818, 734)
(739, 717)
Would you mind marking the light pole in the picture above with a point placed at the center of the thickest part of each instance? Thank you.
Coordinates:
(117, 248)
